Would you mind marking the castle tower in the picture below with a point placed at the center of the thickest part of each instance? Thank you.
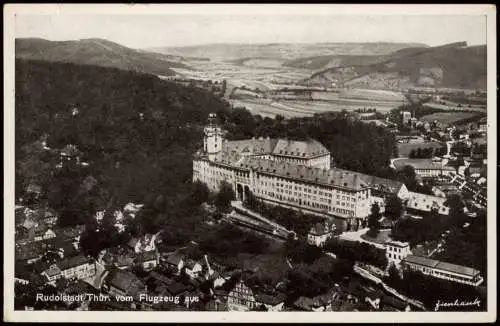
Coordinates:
(213, 137)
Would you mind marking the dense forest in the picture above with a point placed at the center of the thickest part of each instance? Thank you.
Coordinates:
(354, 145)
(136, 131)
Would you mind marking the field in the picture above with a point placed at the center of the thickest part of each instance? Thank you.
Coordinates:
(455, 107)
(404, 149)
(289, 109)
(448, 117)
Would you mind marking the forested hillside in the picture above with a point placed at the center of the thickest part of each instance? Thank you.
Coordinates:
(136, 131)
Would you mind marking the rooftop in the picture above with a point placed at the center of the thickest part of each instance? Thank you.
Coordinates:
(332, 177)
(458, 269)
(420, 164)
(281, 147)
(73, 262)
(398, 243)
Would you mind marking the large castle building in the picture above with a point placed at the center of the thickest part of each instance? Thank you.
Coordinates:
(290, 173)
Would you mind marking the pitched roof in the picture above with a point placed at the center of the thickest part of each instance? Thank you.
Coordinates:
(282, 147)
(126, 281)
(29, 251)
(424, 261)
(191, 263)
(73, 262)
(177, 287)
(332, 177)
(458, 269)
(52, 270)
(146, 256)
(161, 278)
(322, 228)
(426, 202)
(304, 303)
(174, 259)
(420, 164)
(271, 299)
(299, 149)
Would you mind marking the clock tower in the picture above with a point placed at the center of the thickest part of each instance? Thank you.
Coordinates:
(213, 137)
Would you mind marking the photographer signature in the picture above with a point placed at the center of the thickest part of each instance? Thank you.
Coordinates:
(457, 303)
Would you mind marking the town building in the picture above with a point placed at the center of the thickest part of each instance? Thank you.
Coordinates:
(125, 283)
(320, 233)
(174, 261)
(78, 267)
(241, 298)
(294, 174)
(192, 268)
(424, 168)
(396, 251)
(52, 274)
(443, 270)
(406, 116)
(426, 203)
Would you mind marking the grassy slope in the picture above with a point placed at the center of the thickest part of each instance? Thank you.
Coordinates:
(96, 52)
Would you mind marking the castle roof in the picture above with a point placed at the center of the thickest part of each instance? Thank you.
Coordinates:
(331, 177)
(282, 147)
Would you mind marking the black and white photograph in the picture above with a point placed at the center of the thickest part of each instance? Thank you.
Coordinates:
(250, 162)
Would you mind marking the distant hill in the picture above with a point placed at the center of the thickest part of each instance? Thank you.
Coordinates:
(452, 65)
(282, 51)
(97, 52)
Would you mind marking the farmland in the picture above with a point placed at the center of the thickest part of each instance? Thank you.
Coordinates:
(289, 109)
(449, 117)
(455, 107)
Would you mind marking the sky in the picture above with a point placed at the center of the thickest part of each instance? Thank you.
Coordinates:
(163, 30)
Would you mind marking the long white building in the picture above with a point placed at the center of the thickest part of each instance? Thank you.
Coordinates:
(294, 174)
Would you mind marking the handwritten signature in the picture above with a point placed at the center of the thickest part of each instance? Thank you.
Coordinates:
(457, 303)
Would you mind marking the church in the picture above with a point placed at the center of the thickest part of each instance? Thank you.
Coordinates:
(289, 173)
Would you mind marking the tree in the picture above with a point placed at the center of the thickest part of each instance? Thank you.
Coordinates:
(224, 197)
(200, 193)
(408, 176)
(393, 207)
(373, 220)
(393, 276)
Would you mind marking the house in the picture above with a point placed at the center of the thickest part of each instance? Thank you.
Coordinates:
(178, 289)
(241, 298)
(124, 283)
(148, 260)
(213, 275)
(29, 253)
(34, 190)
(425, 203)
(131, 209)
(272, 302)
(122, 258)
(43, 232)
(320, 233)
(174, 262)
(145, 243)
(193, 268)
(303, 304)
(78, 267)
(424, 168)
(52, 274)
(396, 251)
(70, 233)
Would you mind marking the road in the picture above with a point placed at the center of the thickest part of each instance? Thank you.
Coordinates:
(356, 236)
